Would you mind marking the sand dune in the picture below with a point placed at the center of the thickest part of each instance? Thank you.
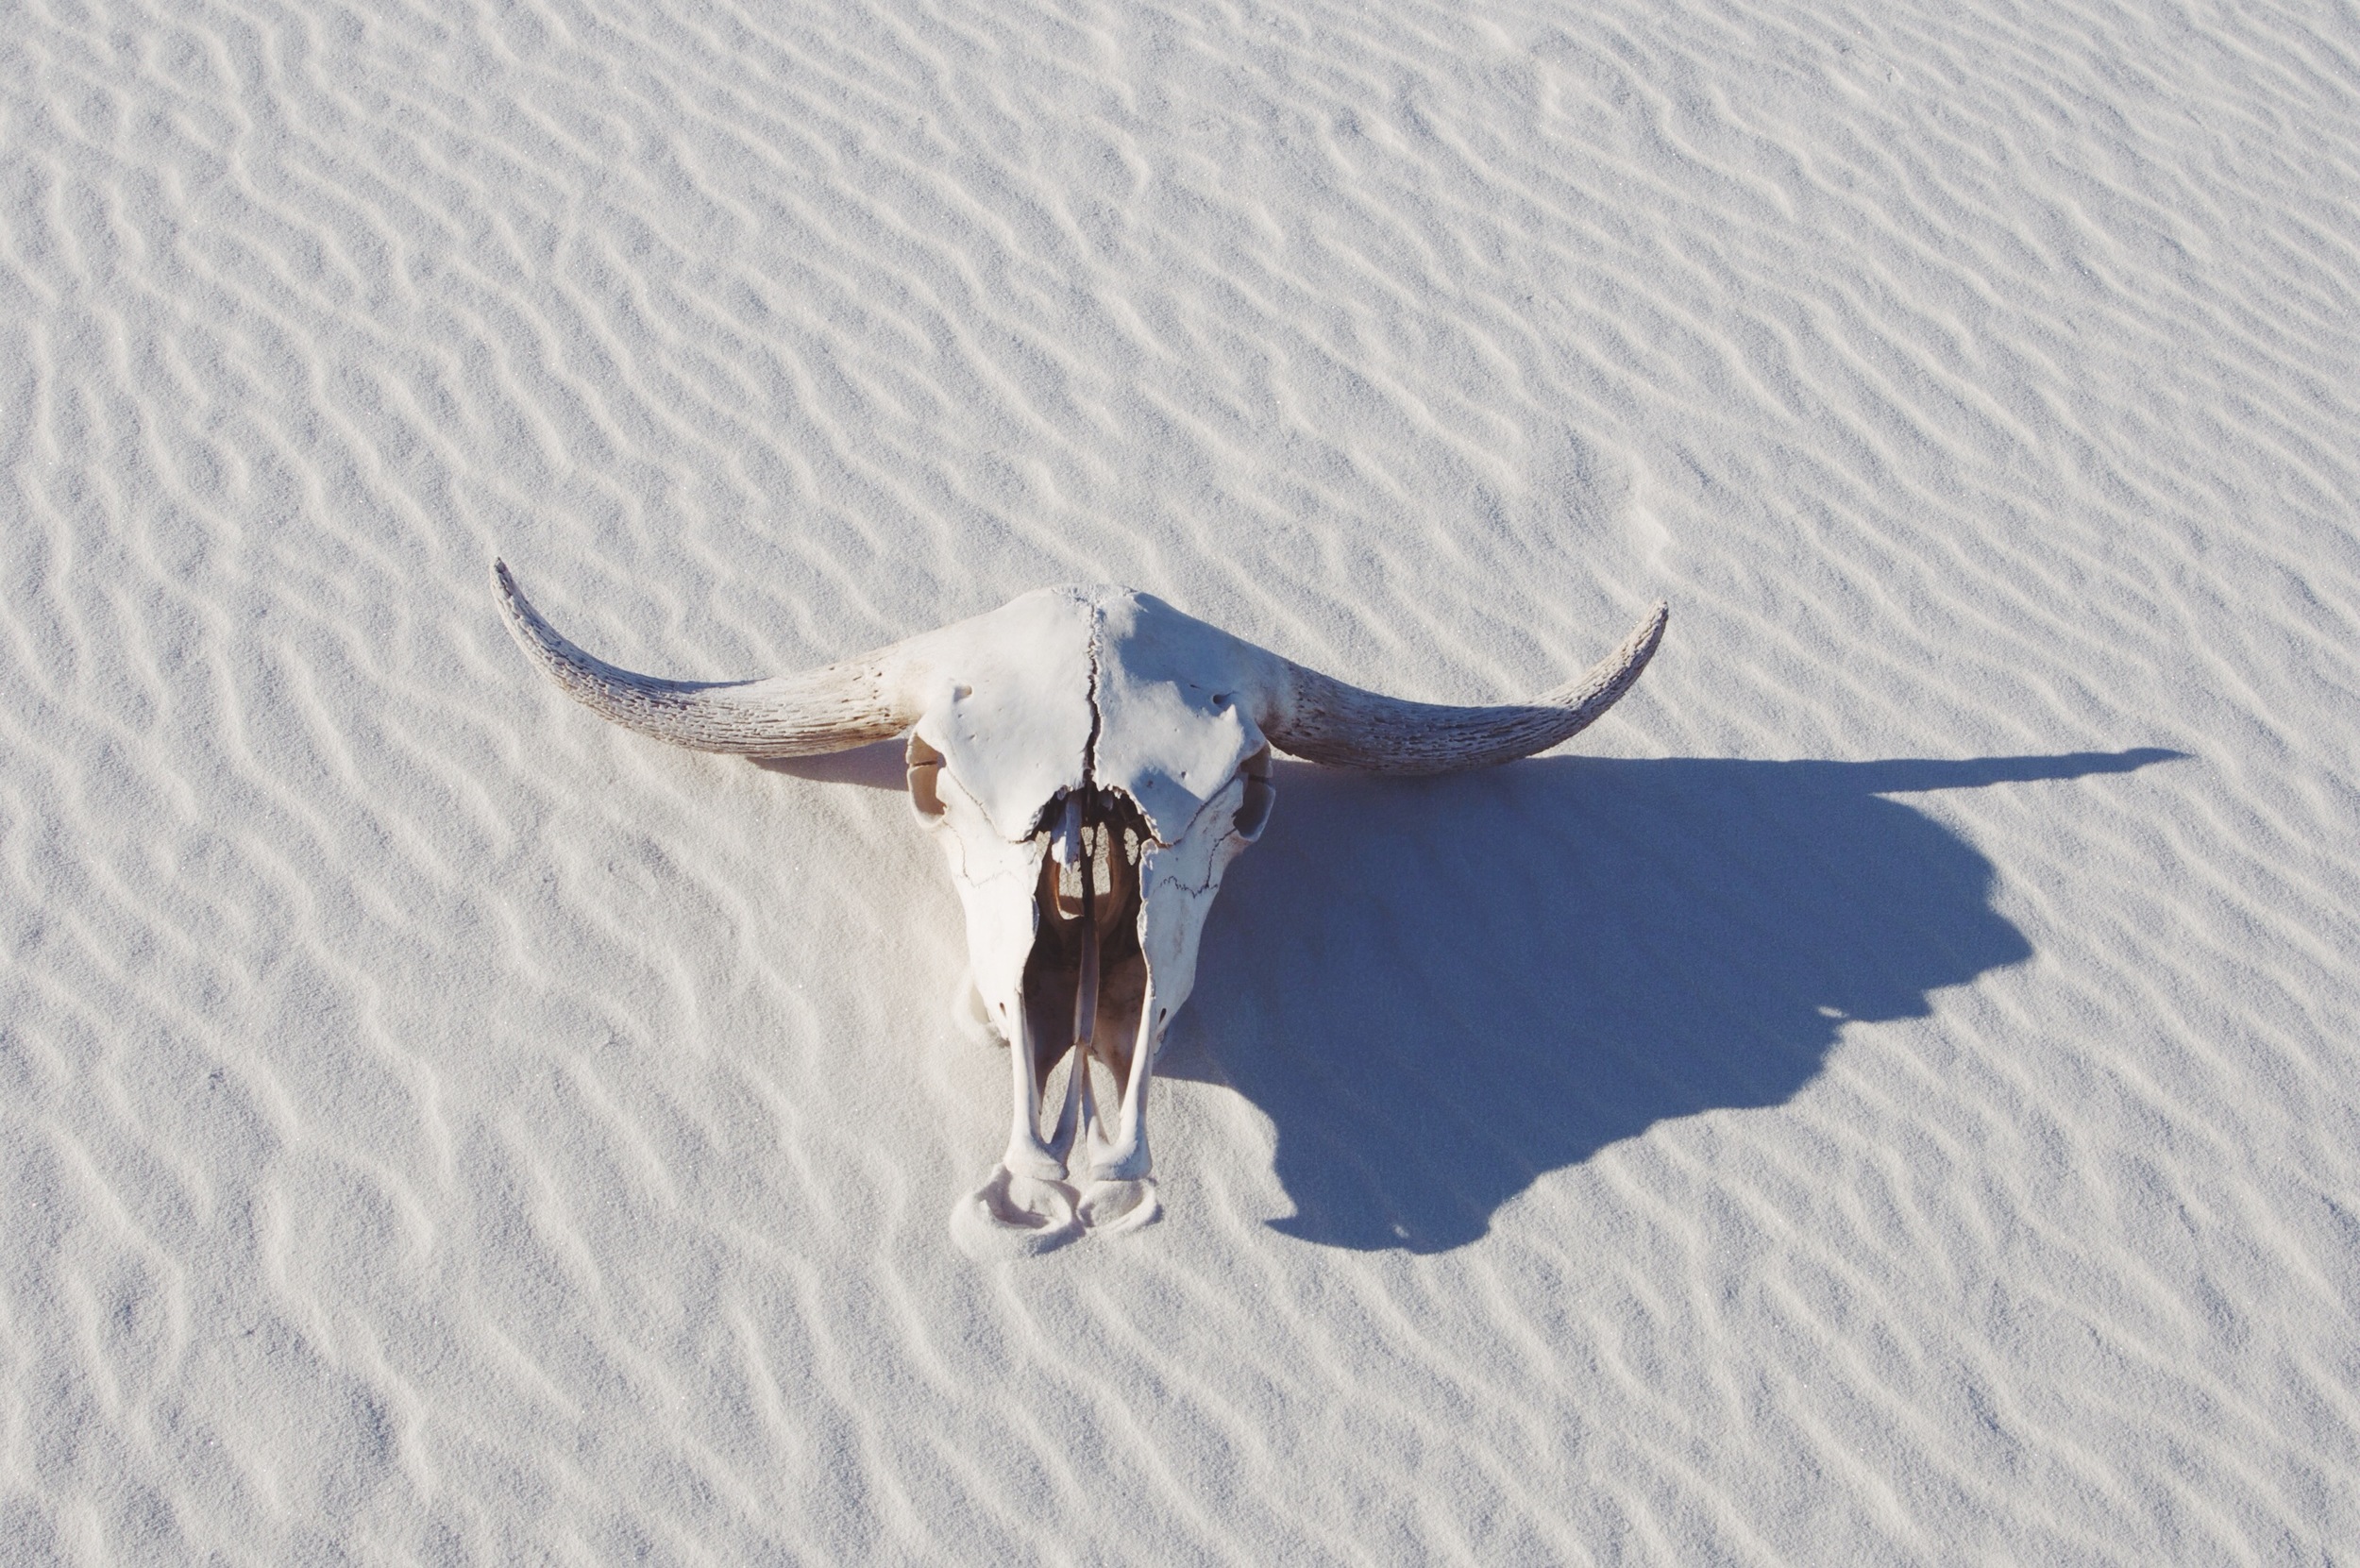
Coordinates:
(1885, 1094)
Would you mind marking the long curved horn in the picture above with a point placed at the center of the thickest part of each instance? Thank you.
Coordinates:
(1320, 718)
(829, 709)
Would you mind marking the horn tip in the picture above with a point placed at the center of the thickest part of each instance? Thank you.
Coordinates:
(524, 622)
(513, 603)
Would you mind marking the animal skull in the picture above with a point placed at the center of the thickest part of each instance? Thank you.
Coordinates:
(1090, 761)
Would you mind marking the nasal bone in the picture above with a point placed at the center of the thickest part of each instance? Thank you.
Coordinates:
(1065, 840)
(1070, 852)
(1069, 849)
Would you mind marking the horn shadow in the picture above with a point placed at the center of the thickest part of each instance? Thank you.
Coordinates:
(879, 764)
(1440, 990)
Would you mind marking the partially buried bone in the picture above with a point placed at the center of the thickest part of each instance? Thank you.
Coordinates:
(1090, 761)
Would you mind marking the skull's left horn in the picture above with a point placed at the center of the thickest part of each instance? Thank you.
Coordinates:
(1320, 718)
(829, 709)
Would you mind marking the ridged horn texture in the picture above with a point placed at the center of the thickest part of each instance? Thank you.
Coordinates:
(830, 709)
(1321, 720)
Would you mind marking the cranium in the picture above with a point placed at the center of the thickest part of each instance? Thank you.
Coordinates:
(1090, 761)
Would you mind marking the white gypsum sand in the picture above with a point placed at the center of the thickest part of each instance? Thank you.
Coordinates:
(1885, 1094)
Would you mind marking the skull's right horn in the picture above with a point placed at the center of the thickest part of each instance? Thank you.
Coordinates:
(829, 709)
(1321, 720)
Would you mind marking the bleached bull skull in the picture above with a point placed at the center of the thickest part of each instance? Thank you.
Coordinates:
(1090, 761)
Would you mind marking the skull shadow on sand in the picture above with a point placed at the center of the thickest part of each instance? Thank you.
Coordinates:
(1439, 990)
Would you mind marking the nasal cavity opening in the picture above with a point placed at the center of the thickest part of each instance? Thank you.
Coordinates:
(1095, 839)
(1105, 850)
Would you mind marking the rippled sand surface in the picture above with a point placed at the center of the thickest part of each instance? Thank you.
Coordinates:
(1887, 1094)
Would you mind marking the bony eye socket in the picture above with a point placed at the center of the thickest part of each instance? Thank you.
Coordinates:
(925, 774)
(1260, 794)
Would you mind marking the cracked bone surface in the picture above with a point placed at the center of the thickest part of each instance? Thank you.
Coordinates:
(1090, 761)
